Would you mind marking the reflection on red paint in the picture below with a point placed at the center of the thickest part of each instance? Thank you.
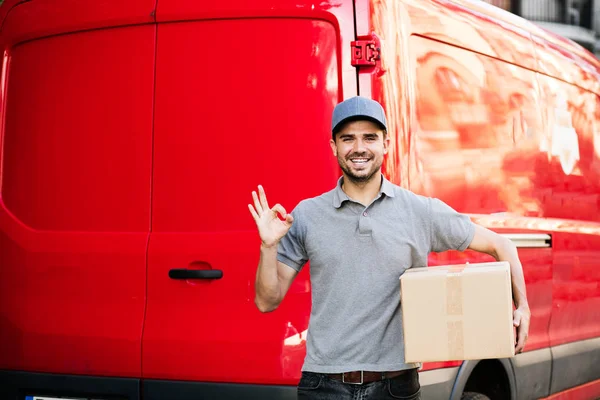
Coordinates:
(501, 120)
(472, 123)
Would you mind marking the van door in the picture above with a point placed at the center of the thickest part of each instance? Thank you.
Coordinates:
(75, 206)
(472, 156)
(239, 102)
(569, 178)
(466, 112)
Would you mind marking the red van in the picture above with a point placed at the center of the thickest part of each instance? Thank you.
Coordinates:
(132, 134)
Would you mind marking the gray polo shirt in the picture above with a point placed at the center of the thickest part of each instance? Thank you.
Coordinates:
(357, 255)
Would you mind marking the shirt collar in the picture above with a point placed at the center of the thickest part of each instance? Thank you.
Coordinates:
(339, 196)
(387, 187)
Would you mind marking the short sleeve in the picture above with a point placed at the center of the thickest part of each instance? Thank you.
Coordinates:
(291, 249)
(450, 230)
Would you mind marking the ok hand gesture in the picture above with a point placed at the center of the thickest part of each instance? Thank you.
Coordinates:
(270, 228)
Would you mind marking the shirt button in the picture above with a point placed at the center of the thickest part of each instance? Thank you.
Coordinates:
(365, 214)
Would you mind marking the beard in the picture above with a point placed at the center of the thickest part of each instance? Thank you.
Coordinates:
(363, 175)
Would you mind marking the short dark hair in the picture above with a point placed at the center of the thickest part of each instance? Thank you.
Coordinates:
(345, 122)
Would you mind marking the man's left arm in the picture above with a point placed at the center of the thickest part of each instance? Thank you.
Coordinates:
(502, 249)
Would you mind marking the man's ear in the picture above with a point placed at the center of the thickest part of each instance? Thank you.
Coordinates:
(333, 147)
(386, 144)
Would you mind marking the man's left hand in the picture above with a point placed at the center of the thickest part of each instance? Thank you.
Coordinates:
(521, 318)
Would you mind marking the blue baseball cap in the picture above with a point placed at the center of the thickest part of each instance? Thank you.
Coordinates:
(356, 108)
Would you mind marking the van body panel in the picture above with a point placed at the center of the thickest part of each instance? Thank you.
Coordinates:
(575, 292)
(464, 127)
(573, 58)
(475, 27)
(575, 326)
(7, 6)
(568, 180)
(566, 62)
(575, 364)
(567, 161)
(75, 209)
(39, 18)
(184, 10)
(212, 129)
(533, 378)
(468, 113)
(472, 123)
(494, 115)
(338, 13)
(93, 156)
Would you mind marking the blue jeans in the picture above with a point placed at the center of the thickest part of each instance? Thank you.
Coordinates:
(314, 386)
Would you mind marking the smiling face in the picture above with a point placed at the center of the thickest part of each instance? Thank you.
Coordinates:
(359, 147)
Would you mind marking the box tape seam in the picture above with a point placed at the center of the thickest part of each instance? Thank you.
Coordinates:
(454, 313)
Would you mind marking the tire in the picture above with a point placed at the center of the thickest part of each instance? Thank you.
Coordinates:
(474, 396)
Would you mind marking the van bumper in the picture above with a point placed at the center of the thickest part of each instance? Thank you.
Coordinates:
(14, 385)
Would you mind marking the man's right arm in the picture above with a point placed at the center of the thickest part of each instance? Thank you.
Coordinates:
(273, 279)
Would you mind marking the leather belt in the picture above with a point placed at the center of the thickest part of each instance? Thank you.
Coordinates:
(361, 377)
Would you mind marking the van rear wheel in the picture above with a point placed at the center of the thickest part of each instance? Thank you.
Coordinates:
(474, 396)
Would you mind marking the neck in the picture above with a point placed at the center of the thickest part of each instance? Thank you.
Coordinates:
(363, 192)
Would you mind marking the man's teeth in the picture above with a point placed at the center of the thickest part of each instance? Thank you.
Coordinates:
(359, 160)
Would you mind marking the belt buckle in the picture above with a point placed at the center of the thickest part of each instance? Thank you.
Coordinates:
(354, 383)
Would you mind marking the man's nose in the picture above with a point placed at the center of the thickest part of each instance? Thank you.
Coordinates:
(359, 146)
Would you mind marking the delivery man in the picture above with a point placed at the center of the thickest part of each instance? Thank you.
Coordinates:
(360, 237)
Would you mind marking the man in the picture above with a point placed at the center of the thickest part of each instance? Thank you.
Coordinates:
(360, 237)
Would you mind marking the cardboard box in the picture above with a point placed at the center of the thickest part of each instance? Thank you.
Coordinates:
(457, 312)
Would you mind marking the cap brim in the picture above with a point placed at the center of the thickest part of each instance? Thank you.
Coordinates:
(357, 118)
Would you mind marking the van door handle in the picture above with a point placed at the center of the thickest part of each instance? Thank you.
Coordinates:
(183, 273)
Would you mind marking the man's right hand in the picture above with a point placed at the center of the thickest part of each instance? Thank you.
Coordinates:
(270, 228)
